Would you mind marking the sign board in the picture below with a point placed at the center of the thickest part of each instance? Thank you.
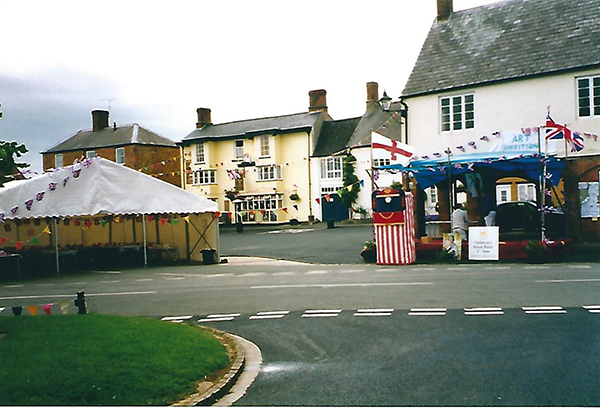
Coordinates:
(484, 243)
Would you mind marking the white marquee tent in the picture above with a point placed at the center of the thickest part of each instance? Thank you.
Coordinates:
(101, 189)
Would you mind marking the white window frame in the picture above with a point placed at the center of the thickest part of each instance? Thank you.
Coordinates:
(377, 163)
(457, 112)
(588, 96)
(500, 189)
(238, 151)
(199, 153)
(58, 160)
(204, 177)
(120, 156)
(265, 146)
(526, 192)
(268, 172)
(332, 167)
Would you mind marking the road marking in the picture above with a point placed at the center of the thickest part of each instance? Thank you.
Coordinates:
(428, 311)
(374, 312)
(321, 313)
(574, 280)
(593, 309)
(285, 273)
(28, 297)
(145, 279)
(351, 271)
(484, 311)
(457, 268)
(252, 274)
(14, 286)
(497, 268)
(335, 285)
(315, 272)
(537, 267)
(45, 285)
(582, 266)
(269, 315)
(177, 319)
(79, 283)
(421, 269)
(106, 272)
(110, 281)
(218, 275)
(216, 319)
(544, 310)
(219, 317)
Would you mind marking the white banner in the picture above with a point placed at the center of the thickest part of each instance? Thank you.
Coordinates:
(521, 142)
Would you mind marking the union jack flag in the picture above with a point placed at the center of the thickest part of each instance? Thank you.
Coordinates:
(52, 186)
(558, 131)
(39, 196)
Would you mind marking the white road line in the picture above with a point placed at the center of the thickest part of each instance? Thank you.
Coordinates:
(28, 297)
(285, 273)
(457, 268)
(427, 312)
(106, 272)
(497, 268)
(350, 271)
(422, 269)
(582, 266)
(319, 315)
(537, 267)
(574, 280)
(259, 287)
(484, 311)
(269, 315)
(145, 279)
(593, 309)
(14, 286)
(218, 275)
(252, 274)
(110, 281)
(322, 311)
(544, 310)
(372, 314)
(174, 278)
(233, 315)
(45, 285)
(182, 318)
(316, 272)
(80, 283)
(367, 310)
(216, 319)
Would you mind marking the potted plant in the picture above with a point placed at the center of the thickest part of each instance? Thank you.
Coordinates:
(369, 252)
(537, 252)
(360, 213)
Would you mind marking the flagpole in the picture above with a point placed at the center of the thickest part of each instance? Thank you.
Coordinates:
(544, 190)
(450, 196)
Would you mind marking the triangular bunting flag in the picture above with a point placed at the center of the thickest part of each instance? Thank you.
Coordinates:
(35, 241)
(46, 308)
(217, 215)
(295, 207)
(2, 309)
(33, 309)
(284, 209)
(187, 218)
(362, 183)
(19, 245)
(318, 200)
(3, 240)
(47, 230)
(64, 306)
(163, 221)
(103, 223)
(175, 221)
(17, 311)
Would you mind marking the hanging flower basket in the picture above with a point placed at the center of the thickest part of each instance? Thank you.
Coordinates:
(294, 197)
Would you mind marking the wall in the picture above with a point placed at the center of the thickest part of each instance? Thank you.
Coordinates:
(146, 158)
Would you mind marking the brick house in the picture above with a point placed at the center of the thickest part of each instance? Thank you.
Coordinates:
(131, 145)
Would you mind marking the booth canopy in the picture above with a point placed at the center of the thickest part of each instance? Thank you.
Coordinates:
(432, 171)
(96, 187)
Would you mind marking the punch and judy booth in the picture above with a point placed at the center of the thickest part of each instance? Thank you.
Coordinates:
(393, 221)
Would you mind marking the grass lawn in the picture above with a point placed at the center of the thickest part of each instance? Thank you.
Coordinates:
(102, 360)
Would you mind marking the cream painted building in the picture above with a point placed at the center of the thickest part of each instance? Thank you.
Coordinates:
(257, 170)
(498, 69)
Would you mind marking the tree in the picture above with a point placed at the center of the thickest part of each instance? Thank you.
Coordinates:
(349, 193)
(8, 166)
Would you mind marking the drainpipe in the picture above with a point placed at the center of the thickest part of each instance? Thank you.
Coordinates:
(311, 217)
(406, 120)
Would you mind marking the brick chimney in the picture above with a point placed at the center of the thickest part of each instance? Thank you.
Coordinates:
(317, 100)
(203, 117)
(372, 95)
(99, 119)
(444, 9)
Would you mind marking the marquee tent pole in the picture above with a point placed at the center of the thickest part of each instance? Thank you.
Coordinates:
(56, 246)
(145, 240)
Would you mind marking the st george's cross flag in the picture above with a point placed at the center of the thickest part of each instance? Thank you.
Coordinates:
(385, 148)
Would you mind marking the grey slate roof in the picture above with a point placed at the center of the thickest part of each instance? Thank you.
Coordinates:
(107, 137)
(507, 40)
(373, 121)
(334, 136)
(250, 127)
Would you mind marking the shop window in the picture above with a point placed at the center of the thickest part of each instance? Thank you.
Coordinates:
(250, 207)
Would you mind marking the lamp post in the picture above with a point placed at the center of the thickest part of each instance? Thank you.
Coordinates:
(385, 102)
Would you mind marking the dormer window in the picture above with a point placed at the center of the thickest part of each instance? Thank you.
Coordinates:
(457, 112)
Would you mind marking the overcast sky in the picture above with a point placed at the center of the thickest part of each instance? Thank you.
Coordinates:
(156, 62)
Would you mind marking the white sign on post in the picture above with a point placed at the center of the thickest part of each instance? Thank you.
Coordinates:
(483, 243)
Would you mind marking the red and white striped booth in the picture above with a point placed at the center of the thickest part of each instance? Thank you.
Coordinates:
(393, 220)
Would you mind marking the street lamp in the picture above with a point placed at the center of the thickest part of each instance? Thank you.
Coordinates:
(385, 102)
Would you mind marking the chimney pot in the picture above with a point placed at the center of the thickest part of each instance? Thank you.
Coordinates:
(317, 100)
(203, 117)
(99, 119)
(372, 95)
(444, 9)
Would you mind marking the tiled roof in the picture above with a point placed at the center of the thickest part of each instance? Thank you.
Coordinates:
(107, 137)
(334, 136)
(246, 128)
(507, 40)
